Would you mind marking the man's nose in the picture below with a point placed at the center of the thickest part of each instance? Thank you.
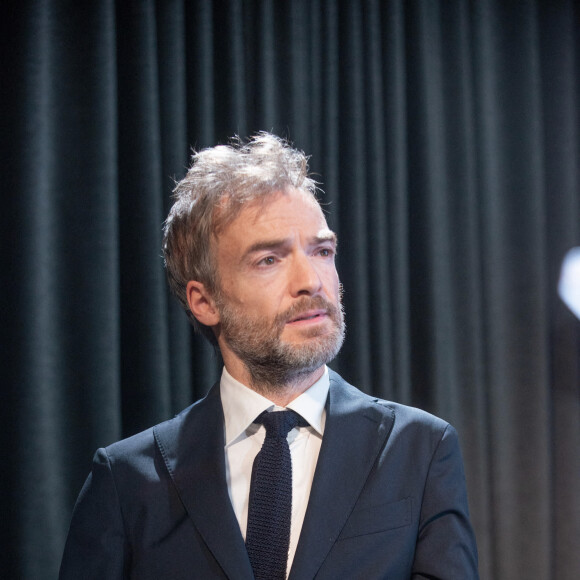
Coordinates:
(304, 277)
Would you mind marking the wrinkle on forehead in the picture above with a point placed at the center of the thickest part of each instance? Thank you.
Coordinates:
(232, 208)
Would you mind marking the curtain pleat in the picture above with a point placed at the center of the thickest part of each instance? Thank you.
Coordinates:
(141, 211)
(445, 137)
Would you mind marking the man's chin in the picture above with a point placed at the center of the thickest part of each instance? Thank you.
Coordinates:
(314, 346)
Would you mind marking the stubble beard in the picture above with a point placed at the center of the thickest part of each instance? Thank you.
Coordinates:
(273, 364)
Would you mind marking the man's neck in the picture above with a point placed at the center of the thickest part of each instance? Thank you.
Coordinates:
(280, 394)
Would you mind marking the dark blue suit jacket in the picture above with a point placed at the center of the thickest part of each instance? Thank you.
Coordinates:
(388, 500)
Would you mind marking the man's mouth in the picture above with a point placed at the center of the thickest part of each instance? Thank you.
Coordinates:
(308, 316)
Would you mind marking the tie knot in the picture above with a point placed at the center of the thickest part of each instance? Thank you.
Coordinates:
(280, 423)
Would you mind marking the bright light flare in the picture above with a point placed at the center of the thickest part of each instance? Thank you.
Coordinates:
(569, 285)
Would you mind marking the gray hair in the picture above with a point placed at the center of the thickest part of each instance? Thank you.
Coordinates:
(225, 177)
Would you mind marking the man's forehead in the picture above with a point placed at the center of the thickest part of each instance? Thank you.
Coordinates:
(314, 229)
(252, 210)
(290, 195)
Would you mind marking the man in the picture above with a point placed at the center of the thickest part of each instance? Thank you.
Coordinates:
(376, 489)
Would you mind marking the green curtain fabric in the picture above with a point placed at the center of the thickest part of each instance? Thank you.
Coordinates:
(446, 138)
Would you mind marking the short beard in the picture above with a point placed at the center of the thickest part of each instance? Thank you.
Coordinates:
(272, 364)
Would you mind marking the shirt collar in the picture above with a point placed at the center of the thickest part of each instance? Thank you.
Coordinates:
(242, 405)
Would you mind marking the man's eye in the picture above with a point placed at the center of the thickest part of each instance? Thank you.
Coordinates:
(325, 252)
(268, 261)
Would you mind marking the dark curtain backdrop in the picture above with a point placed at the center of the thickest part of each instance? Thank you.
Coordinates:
(446, 138)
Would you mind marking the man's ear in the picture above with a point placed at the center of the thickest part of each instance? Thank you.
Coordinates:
(201, 303)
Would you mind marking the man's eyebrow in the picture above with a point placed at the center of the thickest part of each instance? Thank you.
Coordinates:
(266, 245)
(326, 236)
(275, 244)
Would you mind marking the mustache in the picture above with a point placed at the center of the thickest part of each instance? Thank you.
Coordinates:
(306, 303)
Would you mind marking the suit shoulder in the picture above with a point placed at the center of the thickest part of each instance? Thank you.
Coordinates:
(404, 415)
(142, 443)
(411, 419)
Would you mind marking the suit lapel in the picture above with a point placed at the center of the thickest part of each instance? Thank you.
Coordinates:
(355, 432)
(193, 448)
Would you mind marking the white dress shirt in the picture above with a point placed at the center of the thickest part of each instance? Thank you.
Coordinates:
(244, 440)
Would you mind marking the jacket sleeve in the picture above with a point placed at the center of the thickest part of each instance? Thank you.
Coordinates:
(96, 546)
(446, 547)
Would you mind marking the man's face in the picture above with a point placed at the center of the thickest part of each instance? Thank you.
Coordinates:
(279, 294)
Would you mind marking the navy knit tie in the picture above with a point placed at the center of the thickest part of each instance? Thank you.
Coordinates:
(270, 507)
